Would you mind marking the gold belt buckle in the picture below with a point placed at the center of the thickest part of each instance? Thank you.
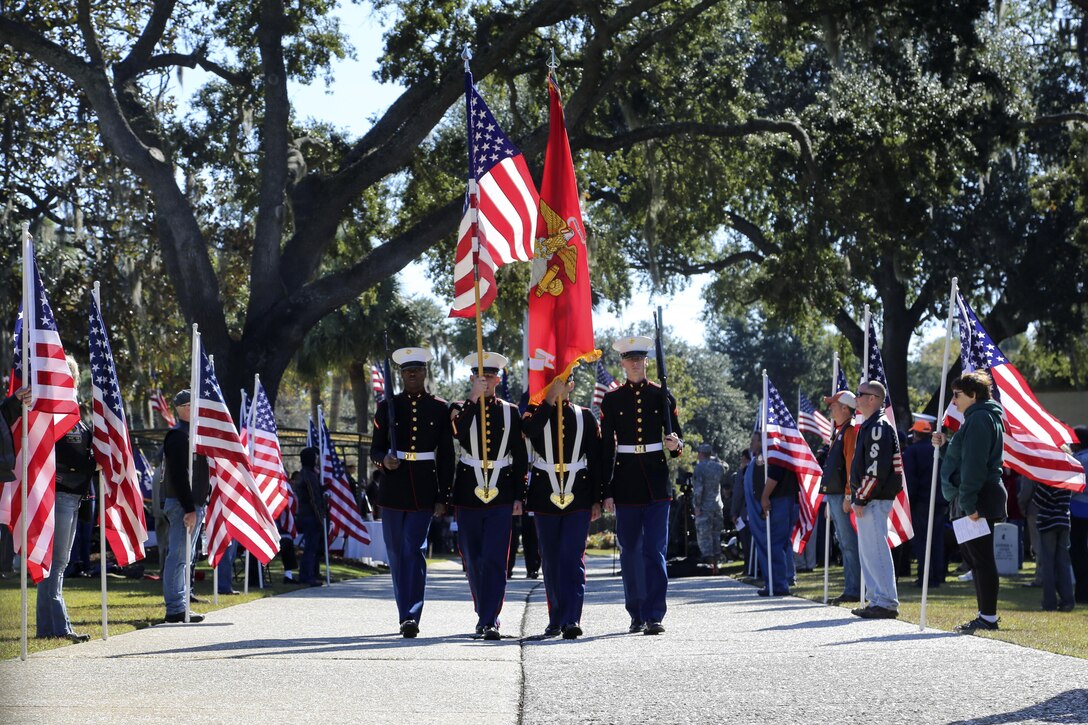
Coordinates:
(560, 468)
(640, 448)
(410, 455)
(488, 466)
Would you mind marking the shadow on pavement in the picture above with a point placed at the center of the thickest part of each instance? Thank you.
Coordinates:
(1070, 706)
(905, 637)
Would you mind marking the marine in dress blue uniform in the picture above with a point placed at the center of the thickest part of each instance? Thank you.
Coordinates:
(564, 499)
(486, 499)
(416, 479)
(636, 481)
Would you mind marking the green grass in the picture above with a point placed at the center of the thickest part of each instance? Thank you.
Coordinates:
(132, 603)
(954, 603)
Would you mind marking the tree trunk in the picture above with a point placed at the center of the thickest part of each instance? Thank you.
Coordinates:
(315, 399)
(334, 400)
(359, 375)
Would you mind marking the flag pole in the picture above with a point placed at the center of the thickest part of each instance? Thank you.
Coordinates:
(249, 452)
(252, 419)
(827, 503)
(28, 381)
(766, 476)
(321, 478)
(101, 506)
(215, 567)
(194, 409)
(474, 220)
(864, 379)
(937, 451)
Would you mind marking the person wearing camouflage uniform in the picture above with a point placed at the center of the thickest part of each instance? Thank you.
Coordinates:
(707, 480)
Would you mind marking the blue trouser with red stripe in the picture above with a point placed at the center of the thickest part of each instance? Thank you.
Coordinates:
(562, 551)
(643, 532)
(405, 535)
(483, 537)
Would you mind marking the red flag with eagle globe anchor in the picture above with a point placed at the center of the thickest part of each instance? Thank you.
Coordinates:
(560, 311)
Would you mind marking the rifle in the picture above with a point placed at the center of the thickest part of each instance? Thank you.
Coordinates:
(660, 352)
(389, 406)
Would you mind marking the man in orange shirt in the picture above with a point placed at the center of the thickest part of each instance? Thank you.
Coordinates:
(835, 485)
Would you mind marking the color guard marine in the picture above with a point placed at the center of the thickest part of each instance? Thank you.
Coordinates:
(413, 446)
(488, 489)
(636, 481)
(564, 495)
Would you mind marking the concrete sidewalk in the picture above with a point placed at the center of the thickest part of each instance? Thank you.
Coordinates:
(333, 655)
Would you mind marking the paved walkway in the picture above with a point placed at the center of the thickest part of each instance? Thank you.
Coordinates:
(332, 655)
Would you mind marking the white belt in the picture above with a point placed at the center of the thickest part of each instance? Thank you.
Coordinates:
(568, 467)
(640, 448)
(477, 463)
(416, 455)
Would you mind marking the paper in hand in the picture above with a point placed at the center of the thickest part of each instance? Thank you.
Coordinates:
(966, 529)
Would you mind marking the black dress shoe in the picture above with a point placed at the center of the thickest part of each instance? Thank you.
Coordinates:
(777, 593)
(572, 631)
(845, 599)
(491, 633)
(654, 628)
(636, 627)
(532, 575)
(409, 628)
(78, 637)
(194, 599)
(875, 612)
(479, 629)
(553, 630)
(180, 617)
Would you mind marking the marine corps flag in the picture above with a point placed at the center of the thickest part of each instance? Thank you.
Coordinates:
(560, 314)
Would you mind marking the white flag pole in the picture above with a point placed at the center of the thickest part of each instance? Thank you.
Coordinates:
(28, 381)
(215, 567)
(827, 503)
(249, 452)
(251, 424)
(194, 409)
(864, 379)
(766, 474)
(101, 505)
(937, 451)
(321, 478)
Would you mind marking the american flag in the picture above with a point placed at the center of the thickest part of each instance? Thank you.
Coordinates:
(1033, 437)
(810, 420)
(785, 446)
(236, 510)
(900, 528)
(159, 405)
(126, 529)
(507, 206)
(144, 472)
(344, 515)
(377, 383)
(267, 459)
(605, 382)
(55, 411)
(840, 382)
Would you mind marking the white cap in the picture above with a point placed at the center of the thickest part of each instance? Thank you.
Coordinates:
(411, 357)
(636, 345)
(843, 396)
(493, 362)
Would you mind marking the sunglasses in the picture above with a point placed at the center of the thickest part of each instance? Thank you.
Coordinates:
(862, 395)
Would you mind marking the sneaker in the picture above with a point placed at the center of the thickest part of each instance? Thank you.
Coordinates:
(875, 612)
(77, 638)
(976, 624)
(179, 618)
(572, 631)
(654, 628)
(636, 627)
(553, 630)
(968, 577)
(194, 599)
(409, 628)
(491, 633)
(845, 599)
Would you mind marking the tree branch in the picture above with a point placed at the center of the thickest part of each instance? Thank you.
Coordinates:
(692, 268)
(138, 56)
(90, 39)
(200, 58)
(1055, 119)
(609, 144)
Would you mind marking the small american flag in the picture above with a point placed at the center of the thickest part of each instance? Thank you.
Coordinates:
(604, 383)
(1033, 437)
(235, 502)
(55, 411)
(160, 406)
(377, 383)
(343, 511)
(785, 446)
(507, 206)
(144, 472)
(126, 529)
(267, 458)
(840, 382)
(900, 528)
(810, 420)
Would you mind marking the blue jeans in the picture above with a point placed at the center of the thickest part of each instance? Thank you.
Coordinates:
(643, 532)
(876, 557)
(52, 615)
(405, 535)
(781, 526)
(848, 545)
(225, 568)
(174, 573)
(1056, 567)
